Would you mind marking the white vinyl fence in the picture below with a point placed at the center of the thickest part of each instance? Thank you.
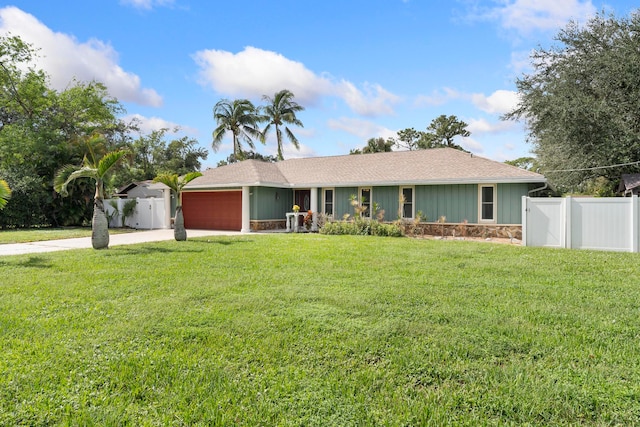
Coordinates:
(149, 214)
(604, 223)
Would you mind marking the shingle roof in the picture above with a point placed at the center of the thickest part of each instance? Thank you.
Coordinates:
(434, 166)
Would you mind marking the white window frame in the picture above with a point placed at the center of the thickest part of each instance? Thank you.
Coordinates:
(324, 201)
(368, 213)
(413, 201)
(494, 187)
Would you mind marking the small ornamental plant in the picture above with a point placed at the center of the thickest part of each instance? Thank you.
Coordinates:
(296, 208)
(308, 219)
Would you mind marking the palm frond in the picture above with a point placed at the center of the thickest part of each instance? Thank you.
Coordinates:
(109, 161)
(168, 179)
(69, 173)
(5, 193)
(191, 176)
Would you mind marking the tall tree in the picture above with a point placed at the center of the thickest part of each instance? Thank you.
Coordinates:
(281, 110)
(445, 128)
(5, 193)
(96, 169)
(249, 155)
(375, 145)
(581, 102)
(239, 117)
(411, 139)
(176, 184)
(42, 129)
(155, 154)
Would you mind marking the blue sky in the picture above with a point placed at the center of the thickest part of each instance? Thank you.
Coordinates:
(361, 68)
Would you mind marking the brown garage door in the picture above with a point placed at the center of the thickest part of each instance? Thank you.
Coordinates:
(221, 210)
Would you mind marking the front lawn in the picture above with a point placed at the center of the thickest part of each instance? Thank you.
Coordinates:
(41, 234)
(320, 330)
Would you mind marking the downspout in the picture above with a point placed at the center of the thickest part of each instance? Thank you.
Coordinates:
(544, 187)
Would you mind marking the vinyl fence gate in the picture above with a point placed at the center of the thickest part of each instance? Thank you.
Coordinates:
(603, 223)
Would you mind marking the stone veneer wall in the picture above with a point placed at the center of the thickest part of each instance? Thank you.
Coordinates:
(274, 224)
(464, 230)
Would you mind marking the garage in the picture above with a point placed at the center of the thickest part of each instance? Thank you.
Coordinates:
(212, 210)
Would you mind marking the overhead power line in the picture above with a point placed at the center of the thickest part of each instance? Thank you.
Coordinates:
(595, 168)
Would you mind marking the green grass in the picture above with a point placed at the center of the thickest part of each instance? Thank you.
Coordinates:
(320, 330)
(41, 234)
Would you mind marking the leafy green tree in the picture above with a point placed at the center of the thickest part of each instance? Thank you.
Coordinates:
(441, 132)
(176, 184)
(42, 129)
(239, 117)
(95, 169)
(154, 154)
(527, 163)
(581, 103)
(375, 145)
(248, 155)
(444, 129)
(281, 110)
(5, 193)
(411, 139)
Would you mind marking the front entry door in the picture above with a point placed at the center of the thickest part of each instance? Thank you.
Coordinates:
(302, 198)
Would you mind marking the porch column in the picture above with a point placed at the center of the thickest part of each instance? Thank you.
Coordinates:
(314, 208)
(166, 195)
(246, 211)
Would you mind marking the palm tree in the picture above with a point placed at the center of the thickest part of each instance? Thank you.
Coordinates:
(241, 118)
(5, 193)
(96, 169)
(278, 111)
(176, 184)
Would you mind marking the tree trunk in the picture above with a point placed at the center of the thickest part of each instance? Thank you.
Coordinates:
(99, 226)
(179, 232)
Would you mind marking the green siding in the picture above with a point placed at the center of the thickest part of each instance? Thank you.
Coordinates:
(387, 198)
(456, 202)
(510, 202)
(265, 205)
(342, 201)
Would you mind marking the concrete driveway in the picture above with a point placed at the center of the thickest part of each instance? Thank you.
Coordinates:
(114, 240)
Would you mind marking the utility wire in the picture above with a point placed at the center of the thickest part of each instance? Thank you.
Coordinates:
(594, 168)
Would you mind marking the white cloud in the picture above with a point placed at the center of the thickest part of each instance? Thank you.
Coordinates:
(255, 72)
(63, 58)
(437, 97)
(525, 16)
(499, 102)
(360, 128)
(146, 4)
(482, 126)
(150, 124)
(472, 145)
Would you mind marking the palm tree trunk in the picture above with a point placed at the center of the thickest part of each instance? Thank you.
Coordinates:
(99, 226)
(179, 232)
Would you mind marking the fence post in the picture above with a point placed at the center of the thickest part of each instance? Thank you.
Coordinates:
(525, 209)
(634, 223)
(568, 238)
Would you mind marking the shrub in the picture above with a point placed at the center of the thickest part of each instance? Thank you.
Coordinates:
(362, 227)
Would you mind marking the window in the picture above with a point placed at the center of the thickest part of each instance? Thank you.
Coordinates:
(407, 201)
(487, 203)
(328, 201)
(365, 202)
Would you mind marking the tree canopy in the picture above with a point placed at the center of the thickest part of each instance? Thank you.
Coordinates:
(441, 132)
(581, 103)
(375, 145)
(43, 129)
